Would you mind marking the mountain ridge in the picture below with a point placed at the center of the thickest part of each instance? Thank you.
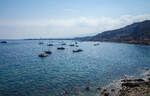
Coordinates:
(136, 33)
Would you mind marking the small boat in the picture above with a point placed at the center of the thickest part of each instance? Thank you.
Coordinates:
(50, 45)
(43, 54)
(60, 48)
(76, 42)
(63, 44)
(41, 43)
(48, 52)
(4, 42)
(78, 50)
(96, 44)
(71, 45)
(77, 45)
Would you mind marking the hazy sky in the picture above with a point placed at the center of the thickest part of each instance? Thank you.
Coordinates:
(67, 18)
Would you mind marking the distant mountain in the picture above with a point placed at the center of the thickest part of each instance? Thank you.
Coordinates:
(137, 33)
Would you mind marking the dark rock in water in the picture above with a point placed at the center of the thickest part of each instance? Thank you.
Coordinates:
(87, 88)
(4, 42)
(50, 45)
(60, 48)
(48, 52)
(43, 54)
(78, 50)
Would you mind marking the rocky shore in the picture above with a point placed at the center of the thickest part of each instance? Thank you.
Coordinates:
(128, 87)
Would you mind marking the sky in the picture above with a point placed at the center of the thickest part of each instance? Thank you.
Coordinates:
(21, 19)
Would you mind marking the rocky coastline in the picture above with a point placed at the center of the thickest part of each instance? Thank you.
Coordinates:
(130, 86)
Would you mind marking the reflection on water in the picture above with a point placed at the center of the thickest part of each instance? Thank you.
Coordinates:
(23, 73)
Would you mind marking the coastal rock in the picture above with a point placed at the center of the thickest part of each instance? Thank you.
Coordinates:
(106, 94)
(134, 80)
(129, 84)
(133, 83)
(112, 90)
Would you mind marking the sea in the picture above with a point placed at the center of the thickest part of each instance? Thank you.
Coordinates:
(65, 73)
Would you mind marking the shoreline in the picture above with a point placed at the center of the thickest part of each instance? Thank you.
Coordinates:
(130, 42)
(130, 86)
(126, 86)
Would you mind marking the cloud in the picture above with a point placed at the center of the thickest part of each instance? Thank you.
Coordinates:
(66, 27)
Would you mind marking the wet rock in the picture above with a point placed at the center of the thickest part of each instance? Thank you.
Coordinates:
(148, 79)
(126, 80)
(105, 90)
(139, 80)
(106, 94)
(112, 90)
(134, 80)
(148, 75)
(133, 83)
(129, 84)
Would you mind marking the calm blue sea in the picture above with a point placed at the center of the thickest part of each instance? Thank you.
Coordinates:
(23, 73)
